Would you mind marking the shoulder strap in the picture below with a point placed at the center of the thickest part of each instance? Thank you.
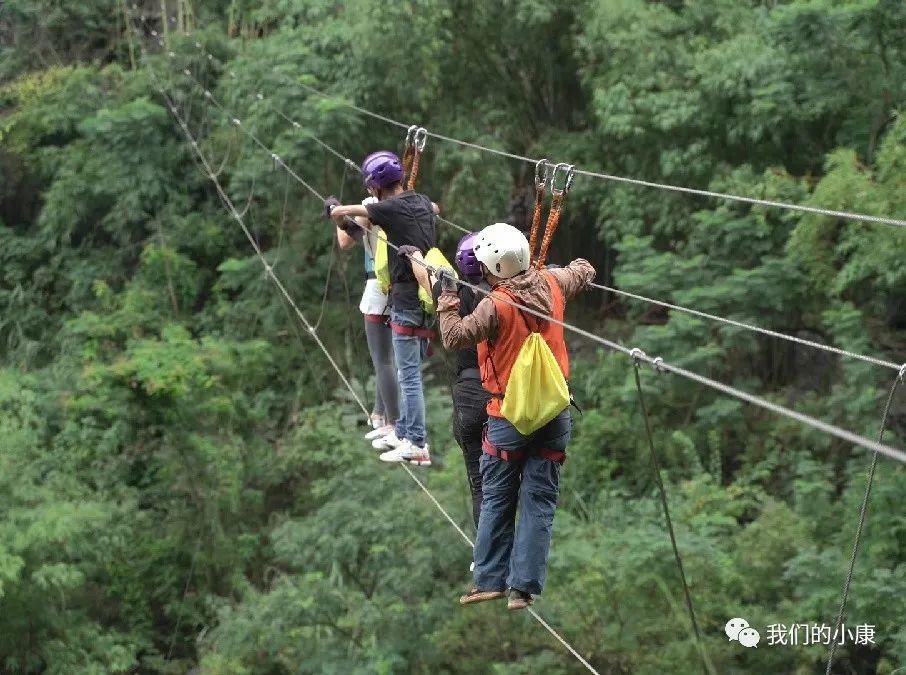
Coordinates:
(526, 317)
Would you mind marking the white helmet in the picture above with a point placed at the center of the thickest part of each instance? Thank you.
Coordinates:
(503, 249)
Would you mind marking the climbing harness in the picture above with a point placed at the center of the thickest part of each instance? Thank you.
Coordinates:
(412, 331)
(542, 171)
(558, 196)
(558, 456)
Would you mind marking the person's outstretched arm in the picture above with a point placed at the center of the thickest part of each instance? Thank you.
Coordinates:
(574, 277)
(352, 210)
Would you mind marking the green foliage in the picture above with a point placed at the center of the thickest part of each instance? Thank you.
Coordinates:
(181, 476)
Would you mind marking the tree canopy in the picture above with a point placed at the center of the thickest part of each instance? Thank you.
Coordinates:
(182, 476)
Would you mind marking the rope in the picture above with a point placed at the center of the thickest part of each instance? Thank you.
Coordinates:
(298, 127)
(878, 447)
(846, 215)
(563, 642)
(834, 213)
(462, 229)
(333, 250)
(731, 322)
(185, 594)
(863, 511)
(739, 324)
(311, 330)
(439, 507)
(235, 214)
(830, 429)
(663, 493)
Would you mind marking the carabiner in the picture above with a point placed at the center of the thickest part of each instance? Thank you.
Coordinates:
(637, 355)
(420, 139)
(569, 169)
(412, 130)
(540, 181)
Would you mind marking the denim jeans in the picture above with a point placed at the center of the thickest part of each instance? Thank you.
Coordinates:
(470, 401)
(409, 351)
(507, 555)
(387, 391)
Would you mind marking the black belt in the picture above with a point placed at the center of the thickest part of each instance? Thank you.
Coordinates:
(370, 275)
(469, 374)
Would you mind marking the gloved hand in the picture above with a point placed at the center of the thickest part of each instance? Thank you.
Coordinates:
(329, 204)
(447, 278)
(407, 251)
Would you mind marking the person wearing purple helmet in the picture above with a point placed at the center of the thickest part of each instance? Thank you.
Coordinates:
(374, 307)
(407, 219)
(470, 399)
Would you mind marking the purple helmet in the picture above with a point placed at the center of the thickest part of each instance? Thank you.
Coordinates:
(465, 257)
(381, 170)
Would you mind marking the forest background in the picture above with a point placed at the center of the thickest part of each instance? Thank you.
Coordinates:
(182, 480)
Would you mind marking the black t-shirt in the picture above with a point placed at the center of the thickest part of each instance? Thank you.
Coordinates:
(407, 219)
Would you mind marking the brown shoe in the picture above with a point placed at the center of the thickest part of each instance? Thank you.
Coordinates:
(475, 596)
(519, 600)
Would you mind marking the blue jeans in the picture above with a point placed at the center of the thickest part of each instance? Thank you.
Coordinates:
(507, 555)
(409, 351)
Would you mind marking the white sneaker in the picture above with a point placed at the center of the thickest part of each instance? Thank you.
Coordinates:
(380, 432)
(407, 452)
(387, 442)
(472, 566)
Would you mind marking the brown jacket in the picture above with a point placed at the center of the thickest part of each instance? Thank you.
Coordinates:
(529, 288)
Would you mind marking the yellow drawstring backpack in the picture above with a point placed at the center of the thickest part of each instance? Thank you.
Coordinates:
(434, 257)
(381, 260)
(536, 391)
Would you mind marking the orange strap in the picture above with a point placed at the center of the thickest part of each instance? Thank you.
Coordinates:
(540, 183)
(553, 217)
(407, 159)
(408, 149)
(553, 220)
(413, 171)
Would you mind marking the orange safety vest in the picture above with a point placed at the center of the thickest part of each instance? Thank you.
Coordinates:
(514, 326)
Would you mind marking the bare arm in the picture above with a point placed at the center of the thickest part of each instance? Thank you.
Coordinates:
(349, 231)
(345, 241)
(435, 208)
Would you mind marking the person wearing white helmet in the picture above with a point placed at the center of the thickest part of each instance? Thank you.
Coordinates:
(517, 471)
